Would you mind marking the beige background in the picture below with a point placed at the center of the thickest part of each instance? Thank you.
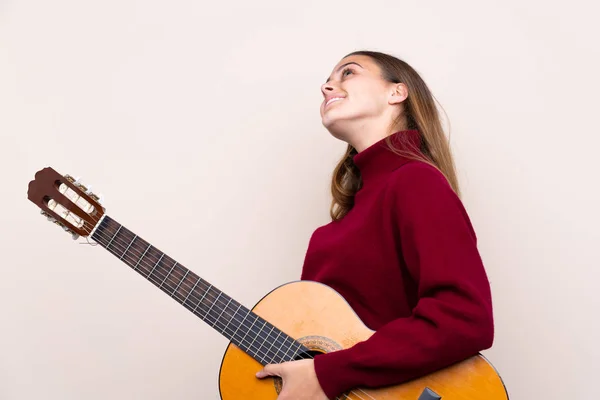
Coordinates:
(199, 122)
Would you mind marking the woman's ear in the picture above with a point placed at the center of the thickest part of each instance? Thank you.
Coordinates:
(398, 93)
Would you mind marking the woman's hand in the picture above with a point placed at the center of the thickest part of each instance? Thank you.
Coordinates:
(299, 380)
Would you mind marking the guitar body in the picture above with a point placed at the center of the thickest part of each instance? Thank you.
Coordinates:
(322, 320)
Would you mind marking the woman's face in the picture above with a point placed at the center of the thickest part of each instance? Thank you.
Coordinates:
(356, 96)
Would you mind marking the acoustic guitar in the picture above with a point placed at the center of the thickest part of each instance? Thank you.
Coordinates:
(297, 320)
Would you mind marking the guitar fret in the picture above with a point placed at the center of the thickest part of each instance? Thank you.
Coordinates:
(191, 290)
(295, 352)
(257, 335)
(232, 318)
(211, 306)
(227, 305)
(273, 342)
(242, 323)
(250, 330)
(179, 284)
(280, 352)
(140, 260)
(167, 275)
(112, 238)
(161, 257)
(289, 346)
(128, 246)
(262, 335)
(266, 353)
(202, 298)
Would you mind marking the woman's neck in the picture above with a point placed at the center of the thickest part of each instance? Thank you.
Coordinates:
(366, 134)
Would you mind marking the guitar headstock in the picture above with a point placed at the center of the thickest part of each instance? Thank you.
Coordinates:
(66, 202)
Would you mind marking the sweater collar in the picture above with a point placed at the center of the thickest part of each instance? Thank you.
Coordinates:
(378, 160)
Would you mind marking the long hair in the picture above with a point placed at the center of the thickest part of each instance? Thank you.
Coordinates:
(420, 113)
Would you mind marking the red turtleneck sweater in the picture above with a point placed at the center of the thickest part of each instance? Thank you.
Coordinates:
(405, 258)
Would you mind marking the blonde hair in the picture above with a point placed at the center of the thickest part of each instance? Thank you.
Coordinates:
(420, 113)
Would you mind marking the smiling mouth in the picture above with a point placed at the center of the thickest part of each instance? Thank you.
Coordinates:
(333, 100)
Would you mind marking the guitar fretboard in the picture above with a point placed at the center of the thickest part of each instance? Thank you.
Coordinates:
(251, 333)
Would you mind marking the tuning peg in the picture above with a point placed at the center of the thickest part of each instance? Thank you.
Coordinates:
(101, 199)
(93, 196)
(89, 190)
(77, 182)
(74, 235)
(48, 216)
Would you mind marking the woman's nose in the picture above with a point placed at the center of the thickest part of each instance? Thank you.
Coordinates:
(326, 87)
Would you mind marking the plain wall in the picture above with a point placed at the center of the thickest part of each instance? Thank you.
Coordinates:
(199, 122)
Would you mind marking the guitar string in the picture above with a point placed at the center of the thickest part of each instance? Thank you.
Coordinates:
(182, 283)
(179, 282)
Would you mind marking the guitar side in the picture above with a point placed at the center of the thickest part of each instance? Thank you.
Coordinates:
(322, 320)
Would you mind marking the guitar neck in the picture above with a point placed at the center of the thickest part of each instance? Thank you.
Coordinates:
(251, 333)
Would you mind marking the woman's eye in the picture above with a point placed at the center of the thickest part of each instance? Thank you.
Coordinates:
(346, 70)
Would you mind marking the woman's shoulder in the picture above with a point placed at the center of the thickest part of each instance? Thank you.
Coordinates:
(418, 176)
(418, 188)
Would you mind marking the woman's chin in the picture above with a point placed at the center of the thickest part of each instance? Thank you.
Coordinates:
(335, 128)
(330, 118)
(328, 122)
(334, 119)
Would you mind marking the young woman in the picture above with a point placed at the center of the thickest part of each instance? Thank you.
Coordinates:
(400, 247)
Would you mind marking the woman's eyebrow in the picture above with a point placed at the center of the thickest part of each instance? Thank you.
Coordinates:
(342, 66)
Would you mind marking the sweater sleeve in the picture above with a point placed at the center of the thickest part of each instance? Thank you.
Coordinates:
(452, 319)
